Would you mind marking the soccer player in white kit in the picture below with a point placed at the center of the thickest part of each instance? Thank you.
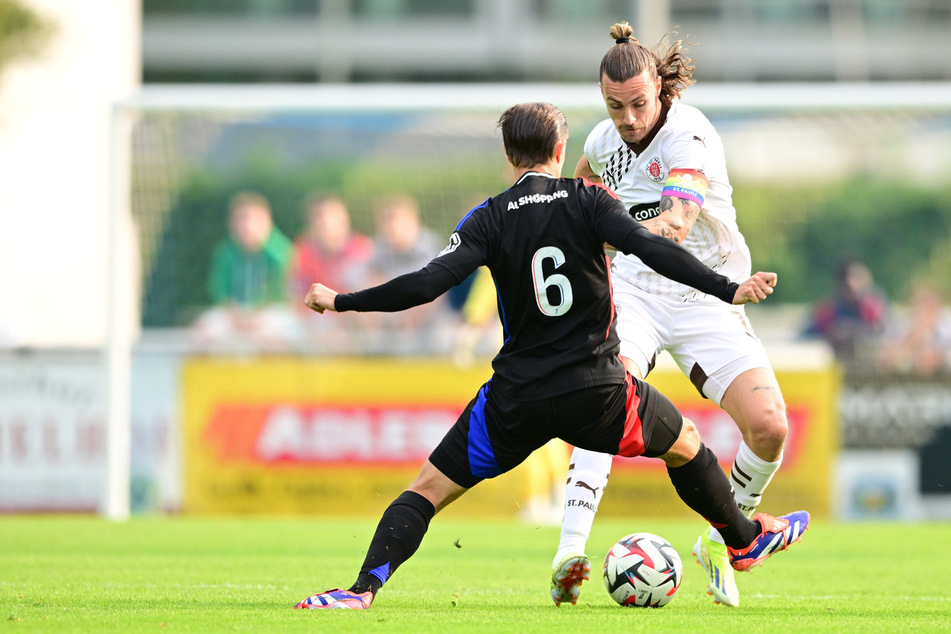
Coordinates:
(665, 161)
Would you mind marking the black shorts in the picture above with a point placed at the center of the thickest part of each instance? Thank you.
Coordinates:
(494, 434)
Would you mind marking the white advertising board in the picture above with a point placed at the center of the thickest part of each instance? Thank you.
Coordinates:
(52, 431)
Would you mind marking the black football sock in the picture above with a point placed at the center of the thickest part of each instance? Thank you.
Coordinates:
(398, 535)
(703, 485)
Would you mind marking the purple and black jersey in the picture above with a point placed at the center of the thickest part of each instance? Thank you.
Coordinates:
(543, 240)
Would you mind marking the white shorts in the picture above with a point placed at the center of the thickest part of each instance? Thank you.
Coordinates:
(712, 343)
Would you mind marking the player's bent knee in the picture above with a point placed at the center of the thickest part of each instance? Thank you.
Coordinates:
(689, 437)
(436, 487)
(768, 441)
(686, 446)
(768, 437)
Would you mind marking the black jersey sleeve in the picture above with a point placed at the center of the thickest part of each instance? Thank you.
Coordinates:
(671, 260)
(615, 226)
(400, 293)
(463, 255)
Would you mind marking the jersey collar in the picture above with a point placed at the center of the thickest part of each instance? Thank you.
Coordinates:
(527, 174)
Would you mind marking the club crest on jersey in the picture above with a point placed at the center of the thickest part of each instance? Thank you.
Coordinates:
(655, 171)
(454, 242)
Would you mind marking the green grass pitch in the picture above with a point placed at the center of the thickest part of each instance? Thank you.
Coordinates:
(83, 574)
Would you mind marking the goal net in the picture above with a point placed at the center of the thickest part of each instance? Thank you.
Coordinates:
(798, 155)
(820, 173)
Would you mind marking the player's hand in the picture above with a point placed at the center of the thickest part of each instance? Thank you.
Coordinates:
(320, 298)
(755, 289)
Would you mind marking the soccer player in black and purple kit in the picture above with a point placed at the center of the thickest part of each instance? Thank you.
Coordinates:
(558, 373)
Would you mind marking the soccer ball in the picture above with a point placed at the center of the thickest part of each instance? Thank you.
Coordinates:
(642, 570)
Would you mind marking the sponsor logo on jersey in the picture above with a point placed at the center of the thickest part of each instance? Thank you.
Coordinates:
(536, 198)
(645, 211)
(655, 171)
(454, 242)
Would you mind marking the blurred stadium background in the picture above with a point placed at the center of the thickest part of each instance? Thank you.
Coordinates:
(119, 154)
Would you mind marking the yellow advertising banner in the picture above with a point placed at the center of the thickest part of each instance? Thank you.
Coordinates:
(804, 480)
(295, 435)
(327, 435)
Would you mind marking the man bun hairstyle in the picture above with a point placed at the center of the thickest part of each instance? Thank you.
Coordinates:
(628, 58)
(530, 132)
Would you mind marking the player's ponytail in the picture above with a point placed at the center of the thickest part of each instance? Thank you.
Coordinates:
(675, 70)
(622, 33)
(628, 58)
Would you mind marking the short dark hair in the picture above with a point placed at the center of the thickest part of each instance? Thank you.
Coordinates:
(530, 132)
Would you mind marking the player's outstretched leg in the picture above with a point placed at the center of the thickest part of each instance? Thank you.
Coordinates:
(777, 534)
(712, 556)
(398, 535)
(587, 478)
(336, 599)
(567, 577)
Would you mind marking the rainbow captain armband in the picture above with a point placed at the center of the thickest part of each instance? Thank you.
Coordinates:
(688, 184)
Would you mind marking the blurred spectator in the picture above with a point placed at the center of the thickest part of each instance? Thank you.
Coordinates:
(330, 252)
(248, 278)
(402, 245)
(921, 343)
(852, 318)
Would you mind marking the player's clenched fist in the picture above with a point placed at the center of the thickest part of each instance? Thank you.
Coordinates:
(755, 289)
(321, 298)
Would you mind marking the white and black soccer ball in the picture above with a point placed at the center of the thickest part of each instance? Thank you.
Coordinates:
(642, 570)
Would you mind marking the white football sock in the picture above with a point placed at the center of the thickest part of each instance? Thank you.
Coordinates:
(749, 477)
(587, 476)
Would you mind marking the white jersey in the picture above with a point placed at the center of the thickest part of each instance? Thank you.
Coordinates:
(686, 140)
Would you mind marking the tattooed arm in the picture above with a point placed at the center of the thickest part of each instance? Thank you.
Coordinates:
(583, 170)
(676, 218)
(680, 204)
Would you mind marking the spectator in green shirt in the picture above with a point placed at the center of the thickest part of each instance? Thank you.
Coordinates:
(248, 278)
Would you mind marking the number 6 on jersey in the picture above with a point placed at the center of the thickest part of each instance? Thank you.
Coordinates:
(542, 283)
